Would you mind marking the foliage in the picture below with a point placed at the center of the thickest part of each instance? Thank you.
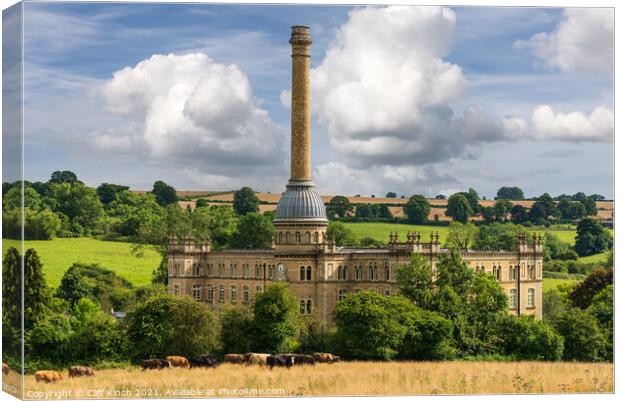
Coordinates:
(544, 209)
(39, 225)
(553, 247)
(518, 214)
(417, 209)
(245, 201)
(79, 203)
(340, 234)
(583, 294)
(372, 211)
(529, 338)
(13, 199)
(571, 210)
(583, 338)
(164, 194)
(459, 208)
(61, 177)
(254, 231)
(36, 294)
(216, 223)
(276, 321)
(415, 281)
(236, 331)
(339, 206)
(501, 209)
(391, 195)
(461, 236)
(497, 236)
(165, 325)
(513, 193)
(11, 302)
(108, 192)
(592, 237)
(134, 212)
(555, 304)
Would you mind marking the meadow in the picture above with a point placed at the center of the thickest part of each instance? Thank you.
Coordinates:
(58, 254)
(346, 378)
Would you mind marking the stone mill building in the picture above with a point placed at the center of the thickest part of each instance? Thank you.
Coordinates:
(319, 272)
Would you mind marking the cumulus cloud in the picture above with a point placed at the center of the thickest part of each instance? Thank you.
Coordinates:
(583, 41)
(384, 90)
(576, 126)
(189, 109)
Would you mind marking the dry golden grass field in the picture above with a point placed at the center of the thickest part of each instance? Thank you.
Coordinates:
(346, 378)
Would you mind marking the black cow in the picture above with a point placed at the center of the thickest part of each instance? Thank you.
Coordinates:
(203, 361)
(155, 364)
(276, 360)
(300, 359)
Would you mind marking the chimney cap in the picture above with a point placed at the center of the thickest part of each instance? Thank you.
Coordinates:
(300, 34)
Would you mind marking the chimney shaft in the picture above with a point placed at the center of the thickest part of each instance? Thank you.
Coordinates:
(300, 104)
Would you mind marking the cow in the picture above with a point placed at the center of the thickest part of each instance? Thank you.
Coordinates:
(257, 359)
(155, 364)
(277, 360)
(5, 369)
(178, 361)
(77, 371)
(48, 376)
(204, 360)
(324, 357)
(301, 359)
(235, 358)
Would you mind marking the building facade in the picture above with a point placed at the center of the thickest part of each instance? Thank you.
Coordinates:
(319, 272)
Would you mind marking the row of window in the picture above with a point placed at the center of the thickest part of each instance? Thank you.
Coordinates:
(531, 298)
(220, 291)
(531, 271)
(298, 238)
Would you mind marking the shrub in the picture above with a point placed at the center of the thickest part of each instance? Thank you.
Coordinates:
(583, 337)
(583, 294)
(529, 338)
(236, 331)
(276, 321)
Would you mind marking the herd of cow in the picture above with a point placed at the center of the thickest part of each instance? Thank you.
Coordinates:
(200, 361)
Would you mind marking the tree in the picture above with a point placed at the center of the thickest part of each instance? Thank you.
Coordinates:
(554, 248)
(236, 331)
(254, 231)
(131, 212)
(164, 194)
(461, 236)
(544, 209)
(571, 210)
(581, 296)
(276, 321)
(583, 337)
(363, 211)
(415, 281)
(218, 224)
(36, 293)
(602, 308)
(440, 196)
(245, 201)
(555, 304)
(512, 193)
(12, 288)
(498, 236)
(107, 192)
(391, 195)
(63, 177)
(165, 325)
(501, 209)
(589, 206)
(429, 337)
(459, 208)
(13, 199)
(417, 209)
(339, 206)
(200, 203)
(518, 214)
(453, 272)
(39, 225)
(79, 203)
(592, 237)
(340, 234)
(529, 338)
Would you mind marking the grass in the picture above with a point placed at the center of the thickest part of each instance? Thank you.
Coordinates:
(551, 283)
(346, 378)
(58, 254)
(598, 258)
(381, 231)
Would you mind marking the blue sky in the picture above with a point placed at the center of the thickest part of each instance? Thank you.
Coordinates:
(415, 101)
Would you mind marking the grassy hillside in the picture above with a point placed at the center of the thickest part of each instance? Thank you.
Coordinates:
(59, 254)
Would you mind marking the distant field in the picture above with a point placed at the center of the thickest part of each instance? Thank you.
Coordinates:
(59, 254)
(339, 379)
(551, 283)
(599, 257)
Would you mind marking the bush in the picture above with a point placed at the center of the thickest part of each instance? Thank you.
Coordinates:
(528, 338)
(236, 331)
(583, 337)
(583, 294)
(276, 322)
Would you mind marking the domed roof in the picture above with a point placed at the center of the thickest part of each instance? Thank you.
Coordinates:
(300, 202)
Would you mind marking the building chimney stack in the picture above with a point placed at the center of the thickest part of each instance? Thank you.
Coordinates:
(300, 104)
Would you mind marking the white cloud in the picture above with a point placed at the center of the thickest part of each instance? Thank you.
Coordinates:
(384, 90)
(583, 41)
(193, 110)
(575, 126)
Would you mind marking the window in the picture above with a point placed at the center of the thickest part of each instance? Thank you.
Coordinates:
(512, 273)
(210, 293)
(341, 273)
(209, 269)
(195, 269)
(309, 307)
(497, 272)
(512, 298)
(302, 273)
(270, 272)
(246, 294)
(176, 289)
(530, 297)
(302, 307)
(221, 269)
(341, 294)
(176, 268)
(258, 271)
(359, 273)
(297, 237)
(246, 271)
(259, 289)
(222, 296)
(280, 237)
(307, 238)
(233, 270)
(386, 273)
(309, 273)
(233, 294)
(196, 292)
(316, 237)
(372, 273)
(532, 271)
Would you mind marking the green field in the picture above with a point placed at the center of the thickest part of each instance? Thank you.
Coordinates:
(550, 283)
(59, 254)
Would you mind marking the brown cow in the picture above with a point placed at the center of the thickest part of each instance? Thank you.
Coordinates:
(77, 371)
(325, 357)
(234, 358)
(5, 369)
(48, 376)
(155, 364)
(178, 361)
(257, 359)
